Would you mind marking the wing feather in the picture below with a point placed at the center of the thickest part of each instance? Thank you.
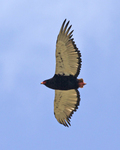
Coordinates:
(68, 57)
(65, 103)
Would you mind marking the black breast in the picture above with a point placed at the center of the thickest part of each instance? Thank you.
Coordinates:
(61, 82)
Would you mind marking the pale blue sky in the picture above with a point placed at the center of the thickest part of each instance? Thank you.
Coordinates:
(28, 32)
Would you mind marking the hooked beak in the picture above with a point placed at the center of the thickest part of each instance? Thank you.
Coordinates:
(44, 82)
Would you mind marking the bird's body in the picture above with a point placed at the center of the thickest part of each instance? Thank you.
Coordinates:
(59, 82)
(65, 82)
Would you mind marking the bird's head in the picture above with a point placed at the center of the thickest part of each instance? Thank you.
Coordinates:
(49, 83)
(44, 82)
(81, 83)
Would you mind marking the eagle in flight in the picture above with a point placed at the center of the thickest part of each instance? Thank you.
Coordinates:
(65, 82)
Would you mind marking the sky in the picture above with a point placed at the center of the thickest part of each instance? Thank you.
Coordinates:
(28, 33)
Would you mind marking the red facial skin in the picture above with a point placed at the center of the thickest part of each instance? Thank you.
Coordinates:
(43, 82)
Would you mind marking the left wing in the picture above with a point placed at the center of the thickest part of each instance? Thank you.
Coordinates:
(65, 103)
(68, 57)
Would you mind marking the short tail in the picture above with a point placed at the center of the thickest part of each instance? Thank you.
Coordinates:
(81, 83)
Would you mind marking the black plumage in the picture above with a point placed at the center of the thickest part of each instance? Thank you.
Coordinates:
(65, 82)
(59, 82)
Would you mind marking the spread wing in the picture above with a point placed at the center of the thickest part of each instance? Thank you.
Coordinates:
(68, 57)
(65, 103)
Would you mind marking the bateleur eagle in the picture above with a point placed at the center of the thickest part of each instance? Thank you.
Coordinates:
(65, 82)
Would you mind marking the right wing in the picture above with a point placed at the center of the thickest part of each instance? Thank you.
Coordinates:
(65, 103)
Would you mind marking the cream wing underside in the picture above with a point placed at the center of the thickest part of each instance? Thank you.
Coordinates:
(65, 103)
(68, 57)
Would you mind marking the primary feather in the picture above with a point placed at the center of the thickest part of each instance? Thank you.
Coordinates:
(68, 57)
